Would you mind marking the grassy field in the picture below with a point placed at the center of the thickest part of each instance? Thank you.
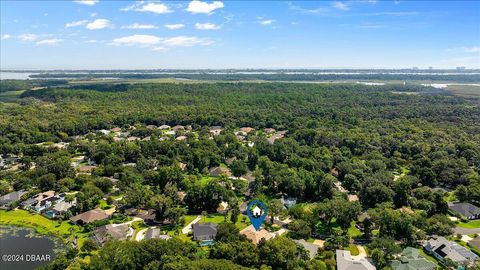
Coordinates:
(219, 218)
(38, 222)
(470, 225)
(471, 91)
(10, 96)
(353, 249)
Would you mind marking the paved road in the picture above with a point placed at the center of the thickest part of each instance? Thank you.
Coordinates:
(460, 230)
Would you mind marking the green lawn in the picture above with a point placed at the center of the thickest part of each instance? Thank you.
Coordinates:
(353, 249)
(353, 231)
(470, 225)
(450, 196)
(219, 218)
(427, 256)
(189, 218)
(205, 179)
(40, 223)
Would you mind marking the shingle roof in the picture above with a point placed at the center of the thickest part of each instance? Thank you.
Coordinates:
(112, 231)
(311, 248)
(412, 260)
(155, 233)
(465, 209)
(11, 197)
(345, 262)
(90, 216)
(204, 229)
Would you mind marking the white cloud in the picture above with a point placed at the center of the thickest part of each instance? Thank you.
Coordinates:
(340, 5)
(174, 26)
(160, 49)
(5, 37)
(141, 40)
(99, 24)
(196, 7)
(475, 49)
(140, 26)
(76, 23)
(182, 41)
(157, 8)
(53, 41)
(93, 14)
(158, 43)
(87, 2)
(28, 37)
(267, 22)
(207, 26)
(394, 13)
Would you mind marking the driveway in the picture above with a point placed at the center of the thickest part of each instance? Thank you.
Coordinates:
(460, 230)
(187, 229)
(140, 235)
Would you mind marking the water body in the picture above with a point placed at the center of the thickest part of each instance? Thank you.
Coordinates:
(24, 249)
(15, 75)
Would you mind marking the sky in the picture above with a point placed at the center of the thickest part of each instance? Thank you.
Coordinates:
(101, 34)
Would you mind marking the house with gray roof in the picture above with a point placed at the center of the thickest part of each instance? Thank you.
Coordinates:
(410, 259)
(443, 249)
(204, 231)
(346, 262)
(11, 197)
(155, 233)
(309, 247)
(466, 210)
(112, 232)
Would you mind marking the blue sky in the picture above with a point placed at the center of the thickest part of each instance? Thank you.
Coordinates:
(96, 34)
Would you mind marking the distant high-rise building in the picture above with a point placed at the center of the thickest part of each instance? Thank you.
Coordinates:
(461, 68)
(430, 68)
(415, 68)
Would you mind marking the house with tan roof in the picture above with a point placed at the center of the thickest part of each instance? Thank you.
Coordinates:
(256, 236)
(89, 216)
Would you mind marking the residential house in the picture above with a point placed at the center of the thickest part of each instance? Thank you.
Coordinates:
(43, 200)
(312, 249)
(278, 135)
(89, 216)
(104, 131)
(155, 233)
(217, 171)
(181, 138)
(466, 210)
(222, 207)
(352, 198)
(86, 169)
(204, 231)
(112, 232)
(410, 259)
(346, 262)
(11, 197)
(178, 127)
(215, 130)
(444, 249)
(269, 130)
(256, 236)
(60, 208)
(164, 127)
(288, 202)
(247, 129)
(116, 129)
